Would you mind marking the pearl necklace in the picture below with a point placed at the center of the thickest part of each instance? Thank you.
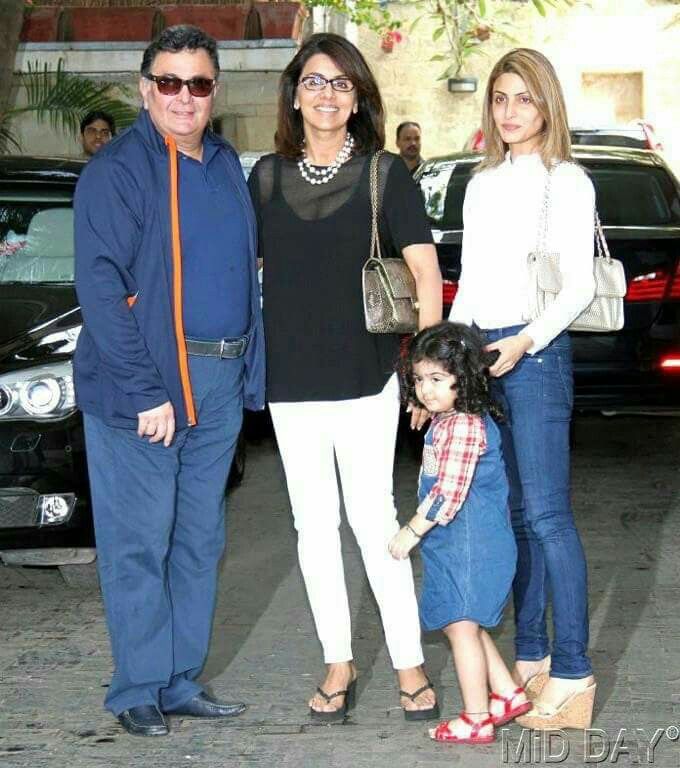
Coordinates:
(324, 175)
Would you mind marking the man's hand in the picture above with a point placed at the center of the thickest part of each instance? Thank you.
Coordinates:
(418, 415)
(510, 351)
(402, 543)
(157, 423)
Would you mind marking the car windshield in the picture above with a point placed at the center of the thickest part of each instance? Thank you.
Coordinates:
(36, 238)
(627, 195)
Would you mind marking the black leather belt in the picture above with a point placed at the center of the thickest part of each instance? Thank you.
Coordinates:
(226, 348)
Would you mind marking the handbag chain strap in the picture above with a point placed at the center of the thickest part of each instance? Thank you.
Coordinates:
(373, 182)
(542, 244)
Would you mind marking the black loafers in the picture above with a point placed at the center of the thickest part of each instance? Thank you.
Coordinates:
(202, 705)
(146, 720)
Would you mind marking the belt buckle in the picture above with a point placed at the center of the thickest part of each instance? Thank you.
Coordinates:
(221, 349)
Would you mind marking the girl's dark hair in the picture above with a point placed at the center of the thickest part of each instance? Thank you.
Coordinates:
(459, 349)
(367, 126)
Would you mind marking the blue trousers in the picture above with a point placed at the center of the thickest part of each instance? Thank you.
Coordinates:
(160, 527)
(537, 396)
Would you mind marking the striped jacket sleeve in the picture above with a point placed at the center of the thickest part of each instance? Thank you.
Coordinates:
(458, 443)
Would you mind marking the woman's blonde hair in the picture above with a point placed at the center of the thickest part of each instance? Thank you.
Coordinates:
(546, 92)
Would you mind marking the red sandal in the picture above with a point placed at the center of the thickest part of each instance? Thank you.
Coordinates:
(444, 734)
(509, 712)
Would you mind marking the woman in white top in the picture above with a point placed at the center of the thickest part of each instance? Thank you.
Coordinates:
(527, 136)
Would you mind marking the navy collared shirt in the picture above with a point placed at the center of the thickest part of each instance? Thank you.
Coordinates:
(214, 232)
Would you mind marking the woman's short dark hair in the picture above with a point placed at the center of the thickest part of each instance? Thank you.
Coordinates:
(367, 126)
(459, 349)
(181, 37)
(98, 114)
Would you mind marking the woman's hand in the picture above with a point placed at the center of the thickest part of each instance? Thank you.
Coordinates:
(510, 351)
(424, 265)
(419, 415)
(402, 543)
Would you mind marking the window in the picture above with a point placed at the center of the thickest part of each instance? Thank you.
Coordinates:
(36, 239)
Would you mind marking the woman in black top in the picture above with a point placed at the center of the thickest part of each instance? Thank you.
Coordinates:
(331, 388)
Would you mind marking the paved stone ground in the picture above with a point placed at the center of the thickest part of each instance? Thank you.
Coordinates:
(54, 653)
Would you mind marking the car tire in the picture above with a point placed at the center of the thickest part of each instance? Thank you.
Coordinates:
(81, 576)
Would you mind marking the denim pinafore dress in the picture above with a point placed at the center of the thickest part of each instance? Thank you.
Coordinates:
(469, 564)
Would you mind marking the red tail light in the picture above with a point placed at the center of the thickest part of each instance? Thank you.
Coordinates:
(674, 292)
(449, 291)
(670, 363)
(649, 287)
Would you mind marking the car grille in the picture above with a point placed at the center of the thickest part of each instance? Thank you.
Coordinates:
(18, 509)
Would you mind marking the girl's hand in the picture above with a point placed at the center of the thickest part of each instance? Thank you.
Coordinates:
(419, 415)
(402, 543)
(511, 350)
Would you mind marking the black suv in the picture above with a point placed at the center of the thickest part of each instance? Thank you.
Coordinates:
(45, 516)
(637, 368)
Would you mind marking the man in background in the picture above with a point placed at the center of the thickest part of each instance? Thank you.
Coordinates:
(96, 129)
(408, 143)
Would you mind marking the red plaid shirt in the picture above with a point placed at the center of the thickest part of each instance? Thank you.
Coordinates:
(458, 440)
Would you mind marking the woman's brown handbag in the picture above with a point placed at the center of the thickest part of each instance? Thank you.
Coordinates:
(390, 299)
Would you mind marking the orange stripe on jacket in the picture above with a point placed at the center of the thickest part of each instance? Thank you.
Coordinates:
(177, 283)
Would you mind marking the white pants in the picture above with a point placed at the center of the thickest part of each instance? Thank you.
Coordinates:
(360, 434)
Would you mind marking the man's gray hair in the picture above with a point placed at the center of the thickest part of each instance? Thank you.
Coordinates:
(181, 37)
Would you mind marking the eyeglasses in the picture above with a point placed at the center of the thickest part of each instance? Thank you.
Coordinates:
(319, 82)
(169, 85)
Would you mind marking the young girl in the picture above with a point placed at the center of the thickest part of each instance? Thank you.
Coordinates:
(462, 524)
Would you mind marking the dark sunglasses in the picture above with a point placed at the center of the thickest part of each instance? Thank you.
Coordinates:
(169, 85)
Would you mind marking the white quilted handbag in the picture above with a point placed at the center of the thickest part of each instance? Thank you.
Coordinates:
(605, 312)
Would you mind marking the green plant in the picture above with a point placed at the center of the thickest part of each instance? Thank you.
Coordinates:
(62, 99)
(372, 14)
(465, 25)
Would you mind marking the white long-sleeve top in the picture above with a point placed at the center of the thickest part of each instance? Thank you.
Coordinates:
(501, 216)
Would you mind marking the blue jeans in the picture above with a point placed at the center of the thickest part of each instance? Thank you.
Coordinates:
(537, 397)
(159, 523)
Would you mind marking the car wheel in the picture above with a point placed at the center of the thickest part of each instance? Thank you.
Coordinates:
(80, 576)
(238, 465)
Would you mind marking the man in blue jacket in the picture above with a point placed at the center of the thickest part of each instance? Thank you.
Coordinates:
(170, 352)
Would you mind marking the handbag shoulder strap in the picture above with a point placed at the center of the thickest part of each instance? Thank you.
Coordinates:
(374, 186)
(544, 215)
(542, 240)
(600, 240)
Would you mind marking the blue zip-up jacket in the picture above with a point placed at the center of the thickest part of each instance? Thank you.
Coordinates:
(131, 354)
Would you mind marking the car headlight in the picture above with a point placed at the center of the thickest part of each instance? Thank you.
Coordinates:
(44, 392)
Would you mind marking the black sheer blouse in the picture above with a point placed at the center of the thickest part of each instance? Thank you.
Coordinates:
(314, 240)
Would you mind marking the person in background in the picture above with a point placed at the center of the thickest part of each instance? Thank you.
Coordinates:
(96, 129)
(408, 144)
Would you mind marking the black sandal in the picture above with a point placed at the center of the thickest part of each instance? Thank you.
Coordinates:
(420, 714)
(335, 715)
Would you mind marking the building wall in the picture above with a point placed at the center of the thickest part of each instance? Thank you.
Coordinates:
(609, 37)
(245, 101)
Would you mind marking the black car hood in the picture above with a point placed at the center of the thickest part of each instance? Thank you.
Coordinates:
(28, 313)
